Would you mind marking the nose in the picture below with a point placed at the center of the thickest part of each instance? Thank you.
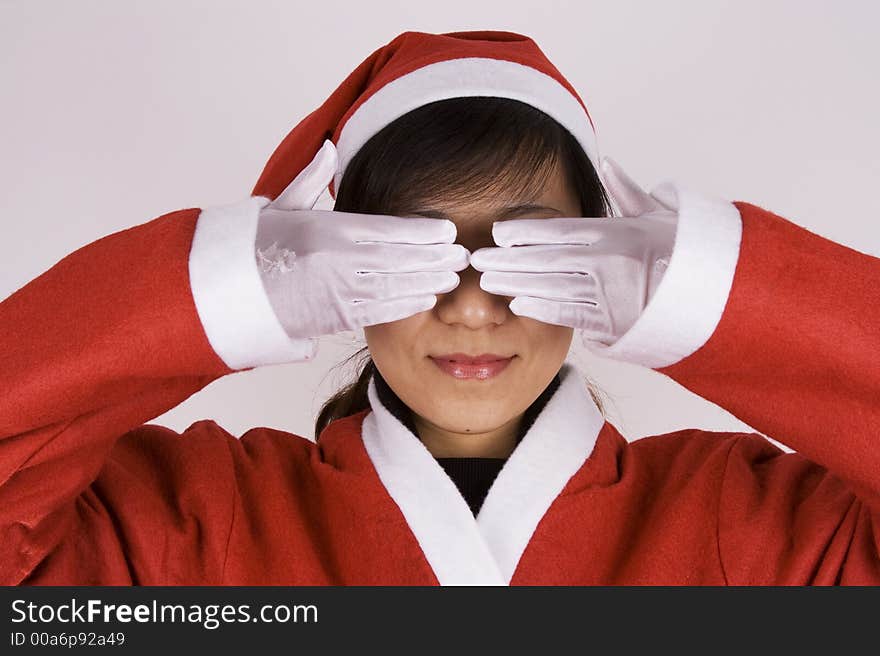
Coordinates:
(470, 305)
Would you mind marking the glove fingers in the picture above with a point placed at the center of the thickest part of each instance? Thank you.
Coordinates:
(573, 315)
(626, 192)
(387, 286)
(568, 230)
(305, 189)
(667, 194)
(370, 313)
(572, 287)
(542, 258)
(395, 229)
(407, 258)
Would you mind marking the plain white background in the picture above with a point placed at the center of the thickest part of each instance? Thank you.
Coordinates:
(114, 113)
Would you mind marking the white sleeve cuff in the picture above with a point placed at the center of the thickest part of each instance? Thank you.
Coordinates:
(687, 305)
(228, 292)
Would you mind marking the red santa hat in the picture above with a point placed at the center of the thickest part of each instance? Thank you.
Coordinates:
(417, 68)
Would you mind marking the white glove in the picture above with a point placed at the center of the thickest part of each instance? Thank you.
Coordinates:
(594, 274)
(325, 271)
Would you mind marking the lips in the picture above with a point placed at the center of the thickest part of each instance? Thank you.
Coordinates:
(465, 367)
(464, 358)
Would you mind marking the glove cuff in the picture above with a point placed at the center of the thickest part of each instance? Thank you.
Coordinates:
(229, 295)
(688, 303)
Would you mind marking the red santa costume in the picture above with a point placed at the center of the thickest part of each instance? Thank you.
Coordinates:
(772, 322)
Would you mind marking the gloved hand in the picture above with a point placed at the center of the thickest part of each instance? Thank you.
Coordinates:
(594, 274)
(326, 271)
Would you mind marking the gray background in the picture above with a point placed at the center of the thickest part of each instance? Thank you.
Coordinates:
(114, 113)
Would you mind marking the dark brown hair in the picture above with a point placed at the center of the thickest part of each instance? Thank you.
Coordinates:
(468, 148)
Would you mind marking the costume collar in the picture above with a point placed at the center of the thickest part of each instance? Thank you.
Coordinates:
(462, 549)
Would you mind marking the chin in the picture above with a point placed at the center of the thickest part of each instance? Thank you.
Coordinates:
(469, 415)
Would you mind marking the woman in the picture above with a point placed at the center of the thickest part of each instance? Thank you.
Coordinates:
(468, 221)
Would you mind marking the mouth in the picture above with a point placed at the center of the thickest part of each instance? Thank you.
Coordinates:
(472, 367)
(464, 358)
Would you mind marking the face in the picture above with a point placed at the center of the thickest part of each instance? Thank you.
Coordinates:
(471, 320)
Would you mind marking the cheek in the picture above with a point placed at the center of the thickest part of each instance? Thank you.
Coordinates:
(392, 343)
(548, 343)
(395, 349)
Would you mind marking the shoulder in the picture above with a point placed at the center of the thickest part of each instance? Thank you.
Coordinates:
(686, 447)
(734, 459)
(204, 446)
(692, 456)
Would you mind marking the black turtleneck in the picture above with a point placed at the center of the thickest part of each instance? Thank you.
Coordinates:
(472, 476)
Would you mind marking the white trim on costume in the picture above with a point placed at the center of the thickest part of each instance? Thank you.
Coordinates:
(462, 549)
(229, 296)
(437, 514)
(687, 305)
(554, 449)
(465, 76)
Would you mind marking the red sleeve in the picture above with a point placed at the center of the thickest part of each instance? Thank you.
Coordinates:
(103, 341)
(796, 355)
(793, 351)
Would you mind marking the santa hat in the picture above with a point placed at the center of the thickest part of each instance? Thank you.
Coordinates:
(417, 68)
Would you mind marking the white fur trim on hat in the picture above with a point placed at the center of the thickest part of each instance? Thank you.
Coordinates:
(456, 78)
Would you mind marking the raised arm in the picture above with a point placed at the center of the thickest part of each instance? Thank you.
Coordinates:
(781, 327)
(774, 323)
(131, 325)
(113, 335)
(105, 340)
